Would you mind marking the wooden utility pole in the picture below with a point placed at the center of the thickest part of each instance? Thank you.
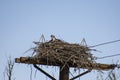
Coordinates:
(64, 73)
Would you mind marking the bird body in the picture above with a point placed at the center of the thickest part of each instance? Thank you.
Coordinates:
(53, 38)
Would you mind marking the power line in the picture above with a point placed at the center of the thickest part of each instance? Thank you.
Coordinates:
(107, 56)
(105, 43)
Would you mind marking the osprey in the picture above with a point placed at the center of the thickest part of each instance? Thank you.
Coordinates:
(53, 38)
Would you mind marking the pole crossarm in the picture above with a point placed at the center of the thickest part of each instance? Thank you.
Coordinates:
(43, 61)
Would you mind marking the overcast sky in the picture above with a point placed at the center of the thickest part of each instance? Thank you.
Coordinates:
(23, 21)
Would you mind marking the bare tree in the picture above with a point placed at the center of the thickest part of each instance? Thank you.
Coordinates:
(9, 69)
(112, 75)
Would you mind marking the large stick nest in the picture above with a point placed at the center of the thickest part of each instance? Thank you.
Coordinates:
(63, 52)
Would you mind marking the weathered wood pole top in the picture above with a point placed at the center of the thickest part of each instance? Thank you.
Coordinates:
(42, 61)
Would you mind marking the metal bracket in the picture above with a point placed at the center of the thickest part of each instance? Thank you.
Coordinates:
(80, 74)
(44, 72)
